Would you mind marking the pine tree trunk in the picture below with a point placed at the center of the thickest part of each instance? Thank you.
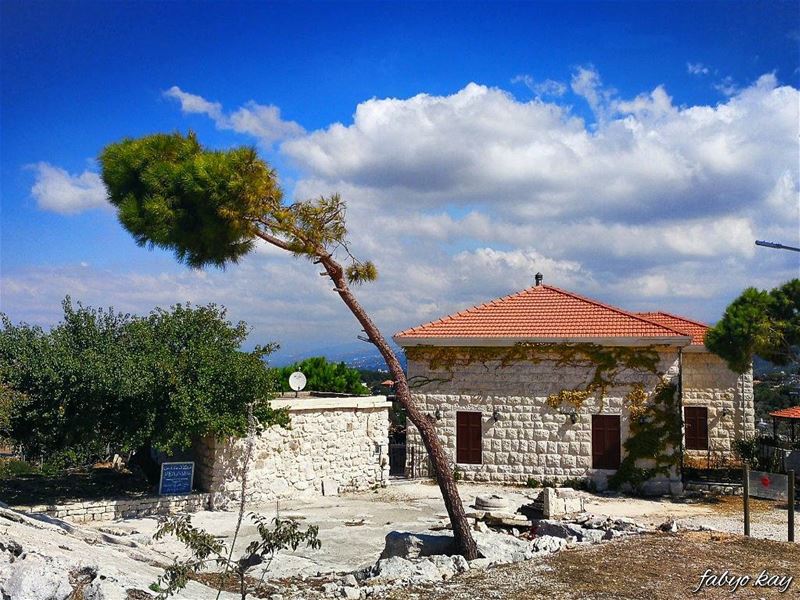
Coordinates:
(441, 468)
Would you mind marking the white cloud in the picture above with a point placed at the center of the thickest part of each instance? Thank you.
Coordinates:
(548, 87)
(58, 191)
(260, 121)
(464, 197)
(727, 86)
(696, 68)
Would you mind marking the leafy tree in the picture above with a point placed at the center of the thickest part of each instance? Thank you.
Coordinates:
(101, 378)
(209, 207)
(759, 322)
(323, 376)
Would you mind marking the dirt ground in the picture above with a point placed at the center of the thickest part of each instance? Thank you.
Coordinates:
(655, 566)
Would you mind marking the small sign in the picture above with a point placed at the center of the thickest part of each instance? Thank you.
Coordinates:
(176, 478)
(769, 485)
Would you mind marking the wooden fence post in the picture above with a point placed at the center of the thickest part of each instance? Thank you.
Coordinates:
(790, 474)
(746, 498)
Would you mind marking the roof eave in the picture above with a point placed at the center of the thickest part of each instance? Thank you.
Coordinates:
(406, 341)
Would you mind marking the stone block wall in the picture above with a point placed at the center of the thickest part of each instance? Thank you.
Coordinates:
(110, 509)
(708, 382)
(341, 441)
(531, 439)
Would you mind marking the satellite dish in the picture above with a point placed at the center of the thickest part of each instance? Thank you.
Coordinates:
(297, 381)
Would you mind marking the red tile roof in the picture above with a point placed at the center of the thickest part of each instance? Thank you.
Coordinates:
(693, 328)
(545, 311)
(787, 413)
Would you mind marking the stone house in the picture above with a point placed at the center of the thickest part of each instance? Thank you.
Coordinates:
(550, 385)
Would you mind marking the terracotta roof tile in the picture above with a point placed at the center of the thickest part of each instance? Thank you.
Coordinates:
(693, 328)
(544, 311)
(787, 413)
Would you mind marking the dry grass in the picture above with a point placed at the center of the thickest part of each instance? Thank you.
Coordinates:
(656, 567)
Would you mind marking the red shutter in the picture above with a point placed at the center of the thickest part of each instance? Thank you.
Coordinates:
(605, 441)
(696, 421)
(469, 438)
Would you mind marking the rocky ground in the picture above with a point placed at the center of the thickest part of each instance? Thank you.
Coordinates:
(362, 558)
(662, 566)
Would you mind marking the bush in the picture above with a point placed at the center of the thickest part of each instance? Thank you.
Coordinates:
(323, 376)
(747, 450)
(532, 483)
(13, 467)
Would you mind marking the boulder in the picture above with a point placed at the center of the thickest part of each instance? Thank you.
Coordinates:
(559, 529)
(500, 548)
(449, 565)
(406, 544)
(397, 568)
(593, 536)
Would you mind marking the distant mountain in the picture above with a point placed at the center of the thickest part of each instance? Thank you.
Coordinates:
(358, 355)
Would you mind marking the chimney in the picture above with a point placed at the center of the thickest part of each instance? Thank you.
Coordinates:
(539, 278)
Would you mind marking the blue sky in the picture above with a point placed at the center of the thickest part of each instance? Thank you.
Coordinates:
(632, 151)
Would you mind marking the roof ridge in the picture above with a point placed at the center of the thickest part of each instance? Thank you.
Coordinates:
(615, 309)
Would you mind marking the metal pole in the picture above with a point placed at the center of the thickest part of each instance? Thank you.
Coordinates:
(776, 245)
(791, 504)
(746, 498)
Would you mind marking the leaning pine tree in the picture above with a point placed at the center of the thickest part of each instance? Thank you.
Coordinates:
(210, 207)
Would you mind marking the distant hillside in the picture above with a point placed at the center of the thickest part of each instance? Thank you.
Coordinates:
(358, 355)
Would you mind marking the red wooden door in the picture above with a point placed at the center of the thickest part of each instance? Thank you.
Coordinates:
(605, 441)
(469, 438)
(696, 421)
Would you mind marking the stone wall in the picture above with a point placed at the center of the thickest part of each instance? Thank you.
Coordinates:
(338, 443)
(531, 439)
(708, 382)
(108, 510)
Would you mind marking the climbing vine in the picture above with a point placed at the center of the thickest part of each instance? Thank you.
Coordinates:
(655, 426)
(654, 436)
(607, 362)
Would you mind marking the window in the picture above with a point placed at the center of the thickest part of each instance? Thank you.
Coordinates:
(605, 441)
(696, 420)
(469, 438)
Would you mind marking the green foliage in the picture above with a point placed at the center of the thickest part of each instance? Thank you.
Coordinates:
(100, 377)
(8, 398)
(747, 450)
(206, 549)
(13, 467)
(457, 474)
(532, 482)
(208, 206)
(323, 376)
(768, 398)
(654, 436)
(759, 322)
